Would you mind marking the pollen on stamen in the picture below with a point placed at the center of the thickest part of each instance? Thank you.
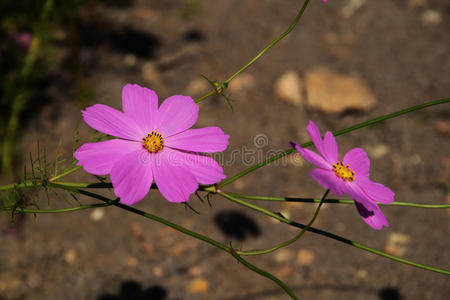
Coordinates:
(153, 142)
(344, 171)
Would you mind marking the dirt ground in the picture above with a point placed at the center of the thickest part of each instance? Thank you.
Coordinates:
(399, 48)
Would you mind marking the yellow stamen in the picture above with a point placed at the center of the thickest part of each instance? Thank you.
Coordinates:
(344, 172)
(153, 142)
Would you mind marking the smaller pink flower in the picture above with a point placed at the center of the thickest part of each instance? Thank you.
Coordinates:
(347, 176)
(153, 144)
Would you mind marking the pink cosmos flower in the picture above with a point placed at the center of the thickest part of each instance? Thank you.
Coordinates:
(152, 144)
(349, 175)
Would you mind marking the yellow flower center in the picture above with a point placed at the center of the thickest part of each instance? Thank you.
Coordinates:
(153, 142)
(344, 172)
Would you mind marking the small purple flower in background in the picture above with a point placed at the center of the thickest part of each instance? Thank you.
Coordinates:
(23, 39)
(349, 176)
(153, 144)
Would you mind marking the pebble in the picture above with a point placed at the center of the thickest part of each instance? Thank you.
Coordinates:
(397, 243)
(417, 3)
(289, 87)
(197, 87)
(131, 262)
(305, 257)
(284, 272)
(136, 230)
(442, 128)
(70, 256)
(431, 17)
(378, 151)
(198, 285)
(97, 214)
(334, 93)
(149, 71)
(284, 255)
(158, 271)
(241, 82)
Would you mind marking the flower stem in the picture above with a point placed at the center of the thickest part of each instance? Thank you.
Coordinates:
(224, 85)
(336, 133)
(53, 211)
(331, 235)
(334, 201)
(287, 243)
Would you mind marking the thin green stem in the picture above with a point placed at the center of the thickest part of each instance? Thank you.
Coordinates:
(210, 93)
(293, 240)
(336, 133)
(264, 273)
(334, 201)
(331, 235)
(65, 173)
(53, 211)
(182, 230)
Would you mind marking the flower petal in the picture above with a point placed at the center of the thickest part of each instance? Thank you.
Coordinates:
(131, 176)
(113, 122)
(208, 139)
(177, 113)
(316, 138)
(313, 157)
(330, 148)
(99, 158)
(204, 168)
(355, 191)
(328, 180)
(175, 182)
(374, 217)
(140, 104)
(376, 191)
(358, 161)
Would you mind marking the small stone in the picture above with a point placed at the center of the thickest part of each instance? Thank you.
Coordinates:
(431, 17)
(288, 88)
(397, 243)
(178, 249)
(131, 262)
(148, 248)
(195, 271)
(417, 3)
(198, 285)
(197, 87)
(97, 214)
(284, 255)
(284, 272)
(158, 271)
(442, 128)
(241, 82)
(335, 93)
(130, 60)
(136, 230)
(70, 256)
(149, 71)
(361, 274)
(378, 151)
(305, 257)
(414, 159)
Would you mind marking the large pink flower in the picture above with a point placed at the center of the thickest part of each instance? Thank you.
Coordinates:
(349, 176)
(153, 144)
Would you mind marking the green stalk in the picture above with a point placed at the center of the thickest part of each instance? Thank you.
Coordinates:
(334, 201)
(287, 243)
(332, 236)
(53, 211)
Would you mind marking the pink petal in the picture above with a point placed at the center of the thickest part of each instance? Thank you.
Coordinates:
(328, 180)
(313, 157)
(355, 191)
(141, 105)
(316, 138)
(330, 148)
(99, 158)
(376, 191)
(358, 161)
(131, 176)
(374, 217)
(175, 182)
(113, 122)
(204, 168)
(176, 114)
(208, 139)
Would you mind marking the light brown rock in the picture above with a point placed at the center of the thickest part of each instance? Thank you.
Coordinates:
(241, 82)
(288, 87)
(198, 285)
(334, 93)
(197, 87)
(397, 243)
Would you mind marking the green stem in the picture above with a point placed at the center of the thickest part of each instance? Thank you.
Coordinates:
(334, 201)
(287, 243)
(70, 171)
(264, 273)
(331, 235)
(53, 211)
(336, 133)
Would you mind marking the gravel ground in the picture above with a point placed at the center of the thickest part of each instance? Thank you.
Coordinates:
(399, 50)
